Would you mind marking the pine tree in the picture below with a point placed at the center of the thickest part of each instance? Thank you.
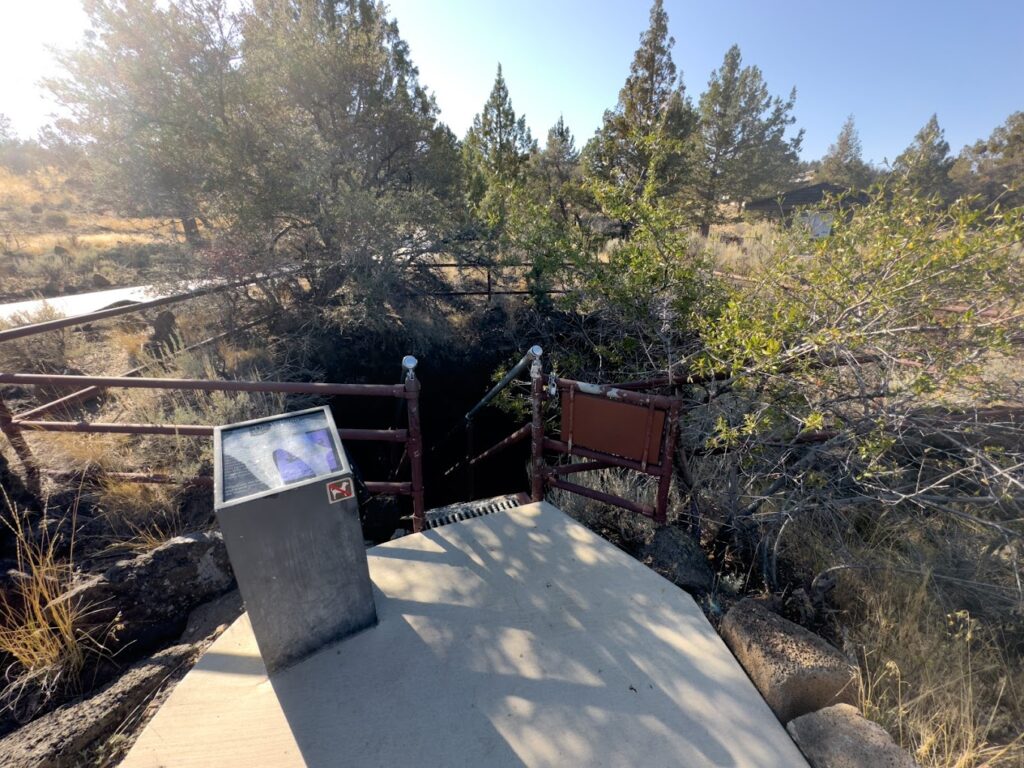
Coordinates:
(926, 163)
(6, 129)
(499, 143)
(556, 169)
(740, 148)
(993, 168)
(843, 164)
(641, 145)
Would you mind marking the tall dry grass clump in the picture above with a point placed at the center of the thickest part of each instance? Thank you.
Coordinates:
(41, 630)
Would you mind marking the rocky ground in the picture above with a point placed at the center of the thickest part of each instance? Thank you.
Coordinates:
(151, 614)
(158, 611)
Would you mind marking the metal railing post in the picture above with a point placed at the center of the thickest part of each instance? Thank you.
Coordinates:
(415, 441)
(470, 453)
(17, 440)
(537, 428)
(667, 464)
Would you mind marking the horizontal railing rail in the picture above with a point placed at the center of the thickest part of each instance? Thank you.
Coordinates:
(14, 426)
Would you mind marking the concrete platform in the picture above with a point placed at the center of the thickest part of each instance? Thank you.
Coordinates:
(514, 639)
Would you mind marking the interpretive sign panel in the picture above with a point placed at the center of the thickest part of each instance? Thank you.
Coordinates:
(267, 455)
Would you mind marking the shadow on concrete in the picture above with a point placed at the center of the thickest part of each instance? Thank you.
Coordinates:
(513, 641)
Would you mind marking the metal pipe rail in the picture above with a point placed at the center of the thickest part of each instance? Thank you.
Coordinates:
(90, 392)
(533, 353)
(543, 475)
(206, 385)
(408, 392)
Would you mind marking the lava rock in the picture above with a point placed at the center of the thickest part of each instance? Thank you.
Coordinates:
(795, 670)
(59, 739)
(839, 737)
(674, 554)
(147, 599)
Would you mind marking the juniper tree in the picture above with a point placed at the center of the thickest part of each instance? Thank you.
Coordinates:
(640, 147)
(925, 164)
(151, 92)
(341, 156)
(993, 168)
(843, 164)
(740, 148)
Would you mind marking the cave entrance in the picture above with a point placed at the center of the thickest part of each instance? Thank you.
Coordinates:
(452, 382)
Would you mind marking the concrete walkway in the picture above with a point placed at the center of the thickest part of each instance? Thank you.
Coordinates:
(515, 639)
(81, 303)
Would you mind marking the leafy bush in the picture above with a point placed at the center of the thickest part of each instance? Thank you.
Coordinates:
(55, 219)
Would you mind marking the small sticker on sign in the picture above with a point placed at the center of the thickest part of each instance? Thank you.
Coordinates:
(339, 490)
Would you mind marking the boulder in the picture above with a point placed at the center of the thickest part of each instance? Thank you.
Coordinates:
(100, 281)
(147, 599)
(165, 337)
(795, 670)
(62, 737)
(674, 554)
(839, 737)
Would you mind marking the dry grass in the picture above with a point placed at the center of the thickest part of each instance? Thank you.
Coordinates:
(46, 187)
(39, 628)
(142, 516)
(45, 353)
(52, 242)
(740, 248)
(942, 683)
(936, 625)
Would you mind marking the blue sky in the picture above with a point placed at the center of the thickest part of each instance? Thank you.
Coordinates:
(891, 64)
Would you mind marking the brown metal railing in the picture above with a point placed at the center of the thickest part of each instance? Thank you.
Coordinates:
(659, 463)
(13, 426)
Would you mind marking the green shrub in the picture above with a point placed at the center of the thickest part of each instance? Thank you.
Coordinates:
(56, 219)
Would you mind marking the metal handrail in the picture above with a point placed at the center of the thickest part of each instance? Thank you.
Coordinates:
(533, 353)
(13, 426)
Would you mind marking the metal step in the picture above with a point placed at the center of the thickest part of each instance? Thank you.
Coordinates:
(465, 510)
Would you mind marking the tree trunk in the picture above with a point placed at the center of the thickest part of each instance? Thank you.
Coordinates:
(191, 229)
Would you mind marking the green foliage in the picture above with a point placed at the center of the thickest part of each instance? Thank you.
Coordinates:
(926, 163)
(152, 93)
(641, 145)
(993, 168)
(495, 154)
(341, 159)
(843, 164)
(741, 150)
(638, 299)
(499, 143)
(880, 284)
